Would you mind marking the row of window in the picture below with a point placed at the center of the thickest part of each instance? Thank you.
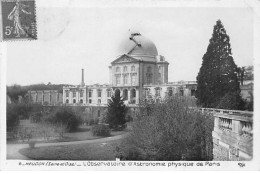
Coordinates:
(90, 93)
(125, 69)
(170, 92)
(74, 93)
(99, 93)
(81, 101)
(133, 79)
(74, 101)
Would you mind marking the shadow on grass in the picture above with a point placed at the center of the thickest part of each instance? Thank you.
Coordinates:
(92, 151)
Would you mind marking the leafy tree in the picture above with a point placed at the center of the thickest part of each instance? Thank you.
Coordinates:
(245, 73)
(169, 131)
(12, 117)
(15, 91)
(116, 112)
(218, 74)
(65, 116)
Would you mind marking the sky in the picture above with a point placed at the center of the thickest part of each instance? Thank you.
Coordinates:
(72, 37)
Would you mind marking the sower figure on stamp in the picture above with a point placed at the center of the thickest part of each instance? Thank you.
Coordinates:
(15, 16)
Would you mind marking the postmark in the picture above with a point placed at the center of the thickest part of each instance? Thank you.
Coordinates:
(18, 20)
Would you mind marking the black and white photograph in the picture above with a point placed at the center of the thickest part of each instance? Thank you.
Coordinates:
(130, 85)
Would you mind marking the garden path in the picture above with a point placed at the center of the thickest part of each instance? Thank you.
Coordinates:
(13, 149)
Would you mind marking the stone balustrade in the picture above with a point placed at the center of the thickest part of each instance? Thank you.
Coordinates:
(232, 134)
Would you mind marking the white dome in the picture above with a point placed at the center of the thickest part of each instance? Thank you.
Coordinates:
(137, 44)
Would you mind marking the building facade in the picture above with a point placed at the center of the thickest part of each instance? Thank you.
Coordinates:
(46, 97)
(139, 74)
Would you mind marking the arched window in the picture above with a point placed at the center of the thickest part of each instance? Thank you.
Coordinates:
(133, 93)
(158, 92)
(81, 101)
(133, 96)
(108, 93)
(67, 101)
(81, 93)
(67, 93)
(149, 69)
(90, 93)
(74, 100)
(99, 93)
(118, 79)
(125, 68)
(117, 93)
(149, 78)
(170, 92)
(146, 92)
(149, 75)
(117, 69)
(125, 94)
(133, 68)
(133, 78)
(125, 78)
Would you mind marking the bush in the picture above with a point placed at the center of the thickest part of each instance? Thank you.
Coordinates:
(168, 131)
(12, 118)
(36, 117)
(100, 130)
(46, 130)
(64, 115)
(26, 133)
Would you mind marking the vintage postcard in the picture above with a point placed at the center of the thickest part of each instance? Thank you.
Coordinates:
(129, 85)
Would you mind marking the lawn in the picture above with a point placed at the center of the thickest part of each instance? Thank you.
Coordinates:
(87, 151)
(83, 133)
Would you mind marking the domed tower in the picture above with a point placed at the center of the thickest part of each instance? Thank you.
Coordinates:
(139, 64)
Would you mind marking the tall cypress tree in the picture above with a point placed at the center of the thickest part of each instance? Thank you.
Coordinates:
(116, 112)
(218, 74)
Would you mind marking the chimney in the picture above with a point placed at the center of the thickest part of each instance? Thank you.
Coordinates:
(82, 78)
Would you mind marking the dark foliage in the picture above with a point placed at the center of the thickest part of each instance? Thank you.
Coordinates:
(64, 115)
(15, 91)
(218, 74)
(116, 112)
(12, 117)
(23, 110)
(232, 101)
(100, 130)
(249, 105)
(245, 73)
(169, 131)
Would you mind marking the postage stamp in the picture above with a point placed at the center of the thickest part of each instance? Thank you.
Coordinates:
(18, 20)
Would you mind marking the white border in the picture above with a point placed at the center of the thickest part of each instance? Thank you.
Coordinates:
(254, 4)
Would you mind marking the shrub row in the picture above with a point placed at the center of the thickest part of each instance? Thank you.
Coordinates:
(101, 130)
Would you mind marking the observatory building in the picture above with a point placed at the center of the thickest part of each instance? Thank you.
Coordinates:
(138, 74)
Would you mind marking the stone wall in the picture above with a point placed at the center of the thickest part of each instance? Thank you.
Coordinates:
(232, 135)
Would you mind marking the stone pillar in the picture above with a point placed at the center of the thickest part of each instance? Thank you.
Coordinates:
(121, 92)
(236, 127)
(216, 123)
(129, 95)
